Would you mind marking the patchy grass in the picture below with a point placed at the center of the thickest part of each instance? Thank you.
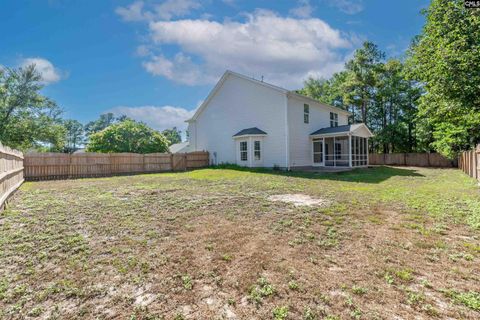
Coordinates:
(208, 244)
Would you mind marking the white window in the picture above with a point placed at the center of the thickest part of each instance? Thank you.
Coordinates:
(243, 151)
(256, 150)
(306, 113)
(333, 119)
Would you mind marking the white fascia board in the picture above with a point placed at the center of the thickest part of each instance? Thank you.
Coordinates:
(249, 135)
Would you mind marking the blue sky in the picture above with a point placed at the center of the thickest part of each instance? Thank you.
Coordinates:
(157, 60)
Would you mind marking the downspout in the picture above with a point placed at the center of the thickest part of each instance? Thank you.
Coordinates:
(287, 138)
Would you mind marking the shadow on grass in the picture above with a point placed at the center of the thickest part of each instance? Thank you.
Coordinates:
(365, 175)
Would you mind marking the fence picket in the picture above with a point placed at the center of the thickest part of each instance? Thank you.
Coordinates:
(411, 159)
(11, 172)
(469, 162)
(46, 166)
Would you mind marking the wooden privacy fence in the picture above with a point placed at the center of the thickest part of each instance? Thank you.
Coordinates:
(44, 166)
(411, 159)
(11, 172)
(469, 162)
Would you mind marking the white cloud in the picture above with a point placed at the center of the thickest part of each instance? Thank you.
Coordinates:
(284, 50)
(166, 10)
(49, 73)
(176, 8)
(304, 10)
(143, 51)
(157, 117)
(133, 12)
(347, 6)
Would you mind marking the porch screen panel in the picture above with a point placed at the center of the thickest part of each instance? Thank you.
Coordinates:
(359, 151)
(364, 162)
(317, 151)
(341, 151)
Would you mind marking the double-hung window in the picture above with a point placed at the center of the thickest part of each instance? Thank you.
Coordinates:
(256, 151)
(306, 113)
(333, 119)
(243, 151)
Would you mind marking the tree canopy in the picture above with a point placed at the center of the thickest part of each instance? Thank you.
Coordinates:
(376, 92)
(105, 120)
(27, 118)
(445, 58)
(127, 136)
(173, 135)
(74, 135)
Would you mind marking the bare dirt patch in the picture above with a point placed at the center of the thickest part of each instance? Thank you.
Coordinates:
(123, 248)
(299, 200)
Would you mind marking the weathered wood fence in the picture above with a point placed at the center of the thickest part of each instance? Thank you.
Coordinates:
(412, 159)
(469, 162)
(47, 166)
(11, 172)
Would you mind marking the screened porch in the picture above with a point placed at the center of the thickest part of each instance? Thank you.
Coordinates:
(343, 146)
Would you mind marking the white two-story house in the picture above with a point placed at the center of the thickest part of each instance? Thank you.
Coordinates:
(255, 124)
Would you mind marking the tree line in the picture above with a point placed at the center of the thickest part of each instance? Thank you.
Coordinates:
(427, 101)
(30, 121)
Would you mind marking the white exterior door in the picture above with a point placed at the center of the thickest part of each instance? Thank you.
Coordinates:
(250, 151)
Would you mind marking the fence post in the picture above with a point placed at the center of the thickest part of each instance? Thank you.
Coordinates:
(143, 163)
(475, 164)
(70, 174)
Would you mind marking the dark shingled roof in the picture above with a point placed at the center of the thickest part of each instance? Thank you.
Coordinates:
(338, 129)
(249, 131)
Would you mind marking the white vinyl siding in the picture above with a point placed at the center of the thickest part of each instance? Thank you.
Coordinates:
(237, 105)
(301, 146)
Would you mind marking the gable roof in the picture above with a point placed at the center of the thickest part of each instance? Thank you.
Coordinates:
(265, 84)
(349, 128)
(249, 132)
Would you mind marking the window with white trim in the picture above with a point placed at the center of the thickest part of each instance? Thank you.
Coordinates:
(333, 119)
(243, 151)
(306, 113)
(256, 151)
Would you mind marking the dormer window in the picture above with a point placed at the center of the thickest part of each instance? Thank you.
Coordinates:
(306, 113)
(333, 119)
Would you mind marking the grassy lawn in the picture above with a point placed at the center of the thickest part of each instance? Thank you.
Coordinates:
(209, 244)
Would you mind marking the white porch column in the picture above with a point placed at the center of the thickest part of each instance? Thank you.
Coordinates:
(350, 150)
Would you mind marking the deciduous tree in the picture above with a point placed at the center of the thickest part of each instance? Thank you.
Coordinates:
(128, 136)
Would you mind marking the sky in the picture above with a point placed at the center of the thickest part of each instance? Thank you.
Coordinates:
(157, 60)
